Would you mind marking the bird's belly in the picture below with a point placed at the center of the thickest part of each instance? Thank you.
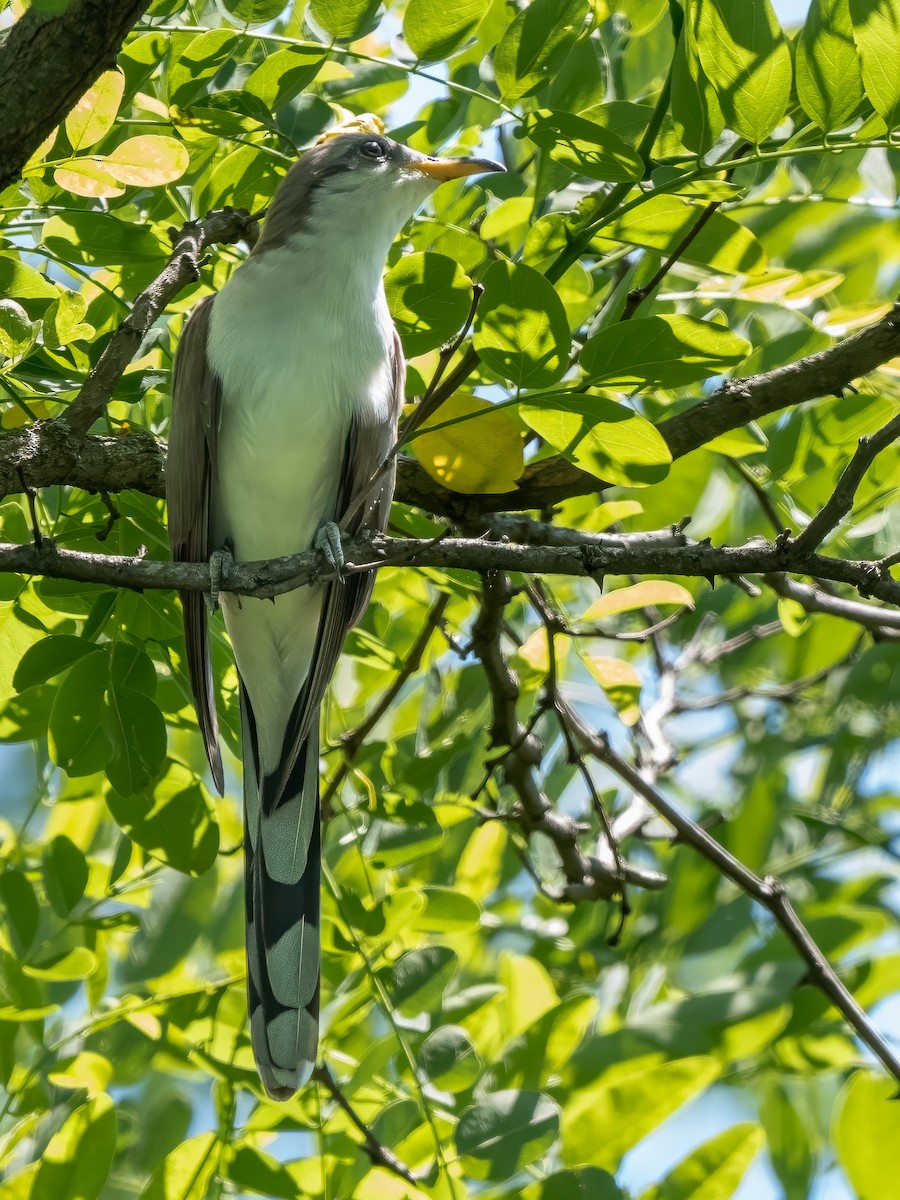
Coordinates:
(279, 466)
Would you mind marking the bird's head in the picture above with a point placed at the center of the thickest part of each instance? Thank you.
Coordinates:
(359, 184)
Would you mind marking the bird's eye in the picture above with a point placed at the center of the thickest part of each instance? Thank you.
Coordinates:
(372, 149)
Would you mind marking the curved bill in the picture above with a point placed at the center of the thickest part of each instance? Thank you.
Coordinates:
(454, 168)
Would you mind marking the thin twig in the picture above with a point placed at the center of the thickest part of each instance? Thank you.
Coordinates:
(353, 741)
(841, 500)
(380, 1155)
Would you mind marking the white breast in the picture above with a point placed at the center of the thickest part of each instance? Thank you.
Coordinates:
(299, 348)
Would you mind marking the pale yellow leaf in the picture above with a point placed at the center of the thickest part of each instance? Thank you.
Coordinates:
(621, 683)
(148, 161)
(94, 114)
(638, 595)
(85, 177)
(483, 454)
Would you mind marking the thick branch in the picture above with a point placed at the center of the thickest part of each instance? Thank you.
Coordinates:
(47, 63)
(736, 403)
(366, 552)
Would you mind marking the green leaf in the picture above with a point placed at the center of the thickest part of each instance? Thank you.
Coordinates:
(695, 107)
(521, 331)
(100, 239)
(77, 1160)
(148, 161)
(535, 45)
(714, 1170)
(603, 1121)
(429, 297)
(252, 1170)
(829, 80)
(434, 29)
(174, 821)
(83, 1070)
(747, 60)
(16, 330)
(65, 874)
(788, 1142)
(63, 322)
(584, 146)
(254, 12)
(135, 724)
(186, 1173)
(446, 911)
(506, 1131)
(661, 351)
(19, 906)
(197, 63)
(79, 742)
(587, 1183)
(419, 977)
(283, 75)
(449, 1059)
(20, 282)
(345, 20)
(867, 1121)
(662, 223)
(876, 31)
(73, 965)
(95, 113)
(638, 595)
(50, 657)
(600, 436)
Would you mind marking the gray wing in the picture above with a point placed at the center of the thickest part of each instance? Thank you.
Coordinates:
(368, 444)
(196, 399)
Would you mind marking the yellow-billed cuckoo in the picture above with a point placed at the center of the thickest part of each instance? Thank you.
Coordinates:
(287, 389)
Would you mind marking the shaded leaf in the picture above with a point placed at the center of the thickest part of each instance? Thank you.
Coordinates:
(600, 436)
(78, 1158)
(521, 330)
(506, 1131)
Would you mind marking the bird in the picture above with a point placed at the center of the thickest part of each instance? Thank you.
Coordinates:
(287, 389)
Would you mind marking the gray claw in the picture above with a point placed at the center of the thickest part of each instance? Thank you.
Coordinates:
(220, 563)
(328, 540)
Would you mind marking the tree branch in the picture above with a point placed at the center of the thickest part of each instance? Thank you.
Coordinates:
(380, 1155)
(367, 552)
(768, 892)
(736, 403)
(223, 228)
(47, 63)
(841, 500)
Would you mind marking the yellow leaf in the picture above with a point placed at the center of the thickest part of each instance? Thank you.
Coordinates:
(529, 991)
(608, 514)
(43, 149)
(94, 114)
(639, 595)
(621, 683)
(148, 161)
(87, 178)
(839, 321)
(479, 455)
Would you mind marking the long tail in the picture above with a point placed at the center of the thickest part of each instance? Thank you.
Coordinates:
(282, 843)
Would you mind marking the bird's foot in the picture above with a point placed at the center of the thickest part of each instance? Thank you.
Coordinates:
(328, 540)
(220, 563)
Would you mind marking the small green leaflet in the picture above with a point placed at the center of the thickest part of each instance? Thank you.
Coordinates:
(435, 29)
(535, 45)
(521, 332)
(505, 1131)
(584, 146)
(600, 436)
(829, 80)
(876, 31)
